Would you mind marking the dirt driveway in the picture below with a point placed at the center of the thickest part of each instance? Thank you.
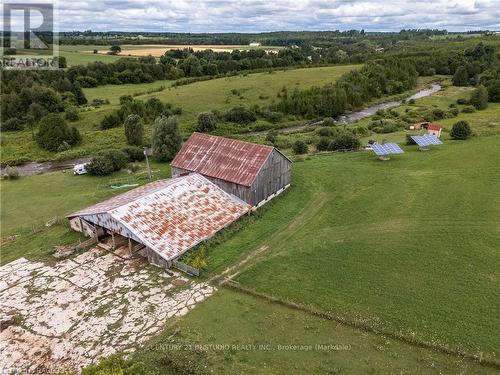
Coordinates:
(66, 316)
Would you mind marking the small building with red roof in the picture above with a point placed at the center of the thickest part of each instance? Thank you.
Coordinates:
(432, 129)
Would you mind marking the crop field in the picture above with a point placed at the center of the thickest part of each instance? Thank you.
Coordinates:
(84, 54)
(372, 242)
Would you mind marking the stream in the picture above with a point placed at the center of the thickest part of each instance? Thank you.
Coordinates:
(355, 116)
(33, 168)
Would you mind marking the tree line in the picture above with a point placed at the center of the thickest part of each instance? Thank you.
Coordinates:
(351, 91)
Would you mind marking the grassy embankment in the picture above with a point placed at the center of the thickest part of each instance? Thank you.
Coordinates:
(250, 335)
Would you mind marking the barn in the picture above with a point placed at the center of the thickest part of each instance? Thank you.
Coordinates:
(252, 172)
(163, 219)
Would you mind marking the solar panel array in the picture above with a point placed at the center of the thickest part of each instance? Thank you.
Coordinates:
(426, 140)
(386, 149)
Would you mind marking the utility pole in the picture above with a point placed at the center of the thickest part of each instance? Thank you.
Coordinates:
(146, 152)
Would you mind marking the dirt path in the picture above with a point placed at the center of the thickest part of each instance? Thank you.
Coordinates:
(263, 252)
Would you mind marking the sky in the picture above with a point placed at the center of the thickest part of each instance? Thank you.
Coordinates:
(277, 15)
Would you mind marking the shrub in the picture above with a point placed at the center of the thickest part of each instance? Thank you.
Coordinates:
(344, 141)
(361, 130)
(12, 124)
(53, 131)
(98, 102)
(494, 91)
(271, 116)
(438, 114)
(328, 121)
(468, 109)
(411, 101)
(99, 166)
(126, 99)
(111, 121)
(454, 112)
(86, 81)
(63, 147)
(72, 114)
(325, 132)
(206, 122)
(479, 98)
(118, 158)
(272, 137)
(323, 144)
(461, 130)
(386, 125)
(240, 115)
(154, 107)
(167, 140)
(461, 77)
(299, 147)
(461, 101)
(134, 153)
(134, 130)
(11, 173)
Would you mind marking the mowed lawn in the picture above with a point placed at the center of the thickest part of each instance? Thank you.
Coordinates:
(408, 246)
(247, 335)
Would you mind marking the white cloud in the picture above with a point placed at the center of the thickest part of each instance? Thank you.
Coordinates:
(269, 15)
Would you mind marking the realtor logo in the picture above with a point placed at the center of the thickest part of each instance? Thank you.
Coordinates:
(29, 37)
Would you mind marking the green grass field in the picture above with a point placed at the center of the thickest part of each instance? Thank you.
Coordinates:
(253, 336)
(409, 246)
(258, 88)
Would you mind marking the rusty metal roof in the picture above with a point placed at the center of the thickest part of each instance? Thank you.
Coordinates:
(124, 198)
(171, 216)
(223, 158)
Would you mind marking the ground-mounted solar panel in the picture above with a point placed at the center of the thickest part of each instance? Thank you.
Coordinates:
(393, 148)
(419, 140)
(426, 140)
(433, 140)
(386, 149)
(380, 150)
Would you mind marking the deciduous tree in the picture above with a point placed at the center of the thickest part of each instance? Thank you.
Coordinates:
(167, 139)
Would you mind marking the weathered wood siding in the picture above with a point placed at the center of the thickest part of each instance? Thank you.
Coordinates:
(275, 175)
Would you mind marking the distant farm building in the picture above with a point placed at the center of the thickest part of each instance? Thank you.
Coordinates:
(432, 129)
(163, 219)
(254, 173)
(254, 44)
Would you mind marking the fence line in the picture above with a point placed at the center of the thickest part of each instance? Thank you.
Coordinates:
(186, 268)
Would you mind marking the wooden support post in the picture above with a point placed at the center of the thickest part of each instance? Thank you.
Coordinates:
(113, 239)
(130, 247)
